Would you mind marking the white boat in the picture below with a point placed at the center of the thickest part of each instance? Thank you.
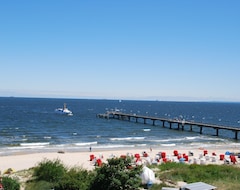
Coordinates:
(64, 110)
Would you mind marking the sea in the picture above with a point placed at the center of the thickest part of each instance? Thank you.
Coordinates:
(30, 125)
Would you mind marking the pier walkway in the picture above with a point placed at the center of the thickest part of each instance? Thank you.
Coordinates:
(172, 123)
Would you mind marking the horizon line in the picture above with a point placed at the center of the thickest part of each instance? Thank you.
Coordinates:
(170, 99)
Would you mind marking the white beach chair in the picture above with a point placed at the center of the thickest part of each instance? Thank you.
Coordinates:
(202, 161)
(207, 157)
(213, 159)
(195, 160)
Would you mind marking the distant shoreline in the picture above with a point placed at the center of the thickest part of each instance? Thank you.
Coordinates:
(191, 100)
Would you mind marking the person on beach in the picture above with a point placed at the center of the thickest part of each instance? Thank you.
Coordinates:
(90, 149)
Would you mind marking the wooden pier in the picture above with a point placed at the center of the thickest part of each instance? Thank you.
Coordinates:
(172, 123)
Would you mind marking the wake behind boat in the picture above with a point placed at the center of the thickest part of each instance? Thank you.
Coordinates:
(64, 110)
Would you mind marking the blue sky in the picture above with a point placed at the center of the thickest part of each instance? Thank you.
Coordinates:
(128, 49)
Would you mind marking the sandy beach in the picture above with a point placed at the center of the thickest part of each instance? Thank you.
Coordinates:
(210, 155)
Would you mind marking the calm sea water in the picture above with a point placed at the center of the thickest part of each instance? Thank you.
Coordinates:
(31, 125)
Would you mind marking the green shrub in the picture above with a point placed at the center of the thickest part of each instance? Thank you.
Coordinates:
(54, 175)
(10, 183)
(50, 171)
(38, 185)
(75, 179)
(115, 176)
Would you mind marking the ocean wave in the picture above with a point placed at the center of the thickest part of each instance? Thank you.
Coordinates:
(172, 144)
(188, 139)
(35, 144)
(29, 146)
(25, 147)
(146, 130)
(141, 145)
(127, 138)
(192, 138)
(235, 144)
(207, 138)
(86, 143)
(47, 137)
(110, 146)
(167, 140)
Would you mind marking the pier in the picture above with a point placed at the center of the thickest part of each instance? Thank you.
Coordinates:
(168, 123)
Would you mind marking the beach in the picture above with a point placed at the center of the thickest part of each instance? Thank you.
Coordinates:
(209, 155)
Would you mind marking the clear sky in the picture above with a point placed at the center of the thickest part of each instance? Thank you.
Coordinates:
(121, 49)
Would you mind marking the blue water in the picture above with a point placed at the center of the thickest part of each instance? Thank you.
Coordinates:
(31, 125)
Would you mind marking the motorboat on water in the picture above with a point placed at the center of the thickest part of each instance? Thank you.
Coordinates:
(64, 110)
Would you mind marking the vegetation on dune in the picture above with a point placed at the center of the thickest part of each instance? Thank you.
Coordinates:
(224, 177)
(118, 174)
(10, 183)
(113, 175)
(75, 178)
(50, 171)
(54, 175)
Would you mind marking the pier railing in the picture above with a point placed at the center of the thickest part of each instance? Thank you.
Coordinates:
(181, 124)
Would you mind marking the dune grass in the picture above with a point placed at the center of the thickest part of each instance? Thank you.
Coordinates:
(224, 177)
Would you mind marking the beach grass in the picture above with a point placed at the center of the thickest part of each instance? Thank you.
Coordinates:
(224, 177)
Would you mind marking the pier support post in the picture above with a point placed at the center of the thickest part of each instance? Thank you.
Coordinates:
(170, 125)
(178, 126)
(154, 121)
(217, 131)
(163, 123)
(201, 130)
(144, 121)
(236, 135)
